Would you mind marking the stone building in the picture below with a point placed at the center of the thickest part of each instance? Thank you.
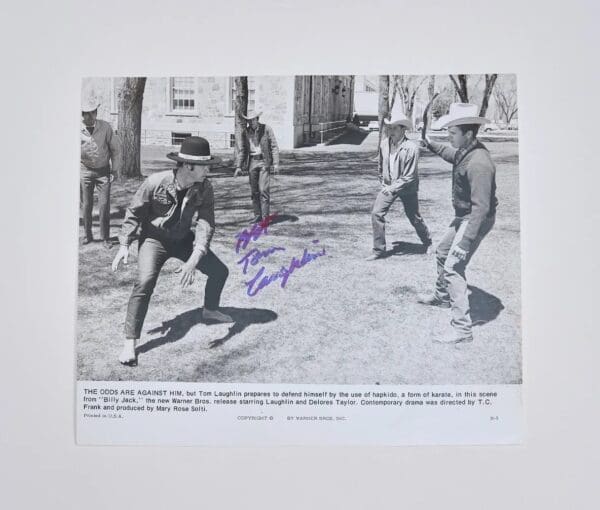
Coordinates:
(301, 109)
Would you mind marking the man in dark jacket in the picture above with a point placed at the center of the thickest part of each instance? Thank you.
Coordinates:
(474, 201)
(163, 209)
(258, 154)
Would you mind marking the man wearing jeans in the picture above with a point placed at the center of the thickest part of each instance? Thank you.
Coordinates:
(474, 201)
(398, 171)
(163, 209)
(99, 148)
(258, 153)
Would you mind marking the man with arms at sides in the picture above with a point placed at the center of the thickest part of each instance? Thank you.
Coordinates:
(474, 201)
(163, 209)
(258, 154)
(99, 148)
(399, 175)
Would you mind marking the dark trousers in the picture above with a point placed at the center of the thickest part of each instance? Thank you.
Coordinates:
(260, 187)
(382, 205)
(152, 254)
(100, 179)
(451, 284)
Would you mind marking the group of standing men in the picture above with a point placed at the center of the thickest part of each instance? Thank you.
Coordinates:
(165, 205)
(473, 198)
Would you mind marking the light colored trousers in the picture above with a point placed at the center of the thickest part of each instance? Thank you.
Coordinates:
(451, 283)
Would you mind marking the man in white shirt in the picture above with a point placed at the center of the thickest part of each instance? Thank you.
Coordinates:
(398, 171)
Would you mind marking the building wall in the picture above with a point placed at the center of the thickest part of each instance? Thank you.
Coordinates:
(212, 116)
(321, 103)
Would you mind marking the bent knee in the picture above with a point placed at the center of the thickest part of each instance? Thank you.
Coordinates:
(144, 287)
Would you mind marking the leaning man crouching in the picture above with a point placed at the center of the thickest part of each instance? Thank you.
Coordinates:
(163, 209)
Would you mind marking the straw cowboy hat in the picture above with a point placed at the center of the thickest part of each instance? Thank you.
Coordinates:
(398, 119)
(89, 104)
(196, 151)
(252, 115)
(460, 114)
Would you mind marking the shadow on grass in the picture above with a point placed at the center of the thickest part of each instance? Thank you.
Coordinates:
(404, 248)
(178, 327)
(282, 218)
(485, 307)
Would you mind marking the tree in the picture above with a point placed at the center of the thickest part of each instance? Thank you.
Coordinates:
(240, 109)
(461, 86)
(431, 87)
(407, 87)
(129, 126)
(490, 80)
(505, 94)
(384, 108)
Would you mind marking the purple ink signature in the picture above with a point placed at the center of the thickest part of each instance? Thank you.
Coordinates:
(261, 280)
(254, 256)
(245, 236)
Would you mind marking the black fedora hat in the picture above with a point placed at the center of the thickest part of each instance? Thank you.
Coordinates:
(196, 151)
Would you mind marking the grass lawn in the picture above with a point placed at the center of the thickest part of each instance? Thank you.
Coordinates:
(339, 319)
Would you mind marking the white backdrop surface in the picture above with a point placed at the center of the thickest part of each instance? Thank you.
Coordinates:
(47, 46)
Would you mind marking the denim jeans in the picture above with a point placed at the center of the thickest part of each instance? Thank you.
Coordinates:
(260, 187)
(451, 282)
(152, 254)
(90, 179)
(383, 202)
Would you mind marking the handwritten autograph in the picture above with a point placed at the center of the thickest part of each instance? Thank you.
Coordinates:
(245, 236)
(254, 256)
(262, 280)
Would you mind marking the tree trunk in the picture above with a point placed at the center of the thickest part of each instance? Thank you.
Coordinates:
(490, 80)
(240, 109)
(461, 87)
(129, 126)
(431, 87)
(384, 102)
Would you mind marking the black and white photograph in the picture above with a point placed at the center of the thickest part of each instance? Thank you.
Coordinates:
(299, 255)
(308, 229)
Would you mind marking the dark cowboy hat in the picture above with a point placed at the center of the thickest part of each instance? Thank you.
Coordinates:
(196, 151)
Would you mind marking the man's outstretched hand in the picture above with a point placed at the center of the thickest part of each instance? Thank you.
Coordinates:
(459, 253)
(187, 274)
(188, 269)
(238, 172)
(122, 255)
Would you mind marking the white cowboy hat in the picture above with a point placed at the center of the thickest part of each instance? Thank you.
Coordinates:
(398, 119)
(89, 104)
(252, 115)
(460, 114)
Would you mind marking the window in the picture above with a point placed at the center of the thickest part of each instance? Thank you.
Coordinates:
(251, 95)
(183, 94)
(177, 138)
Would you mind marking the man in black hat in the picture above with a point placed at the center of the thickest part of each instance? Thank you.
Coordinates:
(259, 153)
(163, 209)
